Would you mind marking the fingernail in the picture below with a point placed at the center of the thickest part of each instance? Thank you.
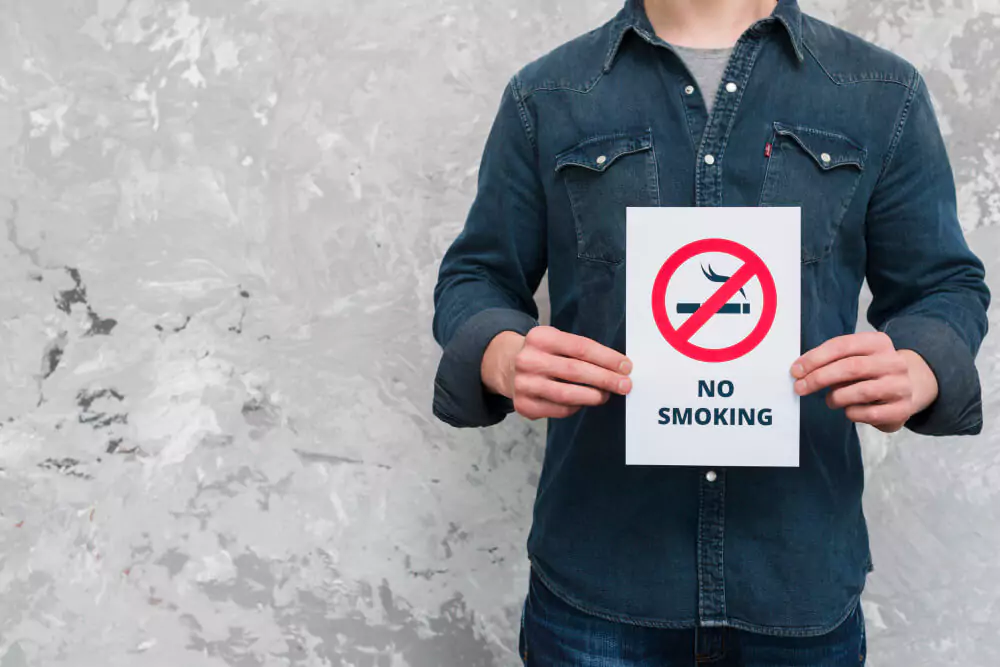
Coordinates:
(800, 387)
(798, 371)
(624, 386)
(625, 367)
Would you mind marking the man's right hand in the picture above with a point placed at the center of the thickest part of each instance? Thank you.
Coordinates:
(551, 373)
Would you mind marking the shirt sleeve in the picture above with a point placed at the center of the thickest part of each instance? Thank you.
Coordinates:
(489, 275)
(929, 289)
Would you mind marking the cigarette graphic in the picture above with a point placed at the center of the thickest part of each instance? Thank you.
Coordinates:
(727, 309)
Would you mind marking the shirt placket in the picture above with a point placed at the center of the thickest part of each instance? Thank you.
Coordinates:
(710, 160)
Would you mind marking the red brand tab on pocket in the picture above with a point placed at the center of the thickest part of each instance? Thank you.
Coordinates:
(767, 149)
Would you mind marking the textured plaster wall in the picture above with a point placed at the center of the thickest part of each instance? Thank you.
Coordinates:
(220, 224)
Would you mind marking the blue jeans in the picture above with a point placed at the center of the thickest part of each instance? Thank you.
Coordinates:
(556, 634)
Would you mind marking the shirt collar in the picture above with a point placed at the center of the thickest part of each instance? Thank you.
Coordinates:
(633, 17)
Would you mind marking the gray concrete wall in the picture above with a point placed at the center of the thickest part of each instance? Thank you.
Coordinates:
(221, 225)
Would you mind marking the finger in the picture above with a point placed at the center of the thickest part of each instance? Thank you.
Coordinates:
(561, 393)
(565, 344)
(853, 345)
(882, 390)
(573, 370)
(891, 415)
(849, 370)
(538, 408)
(834, 388)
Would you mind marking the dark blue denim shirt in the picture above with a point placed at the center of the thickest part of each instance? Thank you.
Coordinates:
(806, 115)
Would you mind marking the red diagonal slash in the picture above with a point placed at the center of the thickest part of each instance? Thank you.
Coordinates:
(745, 274)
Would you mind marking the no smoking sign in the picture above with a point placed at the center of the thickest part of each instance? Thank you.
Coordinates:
(717, 305)
(713, 317)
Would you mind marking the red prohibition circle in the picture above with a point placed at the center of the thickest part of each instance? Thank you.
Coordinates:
(680, 338)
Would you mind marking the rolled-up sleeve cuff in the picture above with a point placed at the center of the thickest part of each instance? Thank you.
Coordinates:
(460, 399)
(958, 409)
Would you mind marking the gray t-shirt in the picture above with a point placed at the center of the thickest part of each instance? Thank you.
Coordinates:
(707, 66)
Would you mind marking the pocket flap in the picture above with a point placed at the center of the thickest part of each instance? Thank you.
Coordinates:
(828, 149)
(599, 153)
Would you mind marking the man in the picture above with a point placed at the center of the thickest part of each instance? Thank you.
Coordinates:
(708, 103)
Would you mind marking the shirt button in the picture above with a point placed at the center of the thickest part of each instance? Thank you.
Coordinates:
(689, 90)
(709, 159)
(711, 476)
(602, 159)
(731, 87)
(825, 157)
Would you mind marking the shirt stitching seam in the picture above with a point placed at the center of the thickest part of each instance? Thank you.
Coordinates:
(904, 116)
(840, 80)
(619, 618)
(923, 316)
(757, 46)
(554, 87)
(656, 167)
(522, 112)
(771, 630)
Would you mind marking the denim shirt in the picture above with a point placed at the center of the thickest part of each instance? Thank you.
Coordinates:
(806, 115)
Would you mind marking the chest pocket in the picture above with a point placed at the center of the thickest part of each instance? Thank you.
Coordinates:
(818, 171)
(603, 175)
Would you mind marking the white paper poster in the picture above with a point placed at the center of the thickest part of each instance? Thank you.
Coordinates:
(712, 328)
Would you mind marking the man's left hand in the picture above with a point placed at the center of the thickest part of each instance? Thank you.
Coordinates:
(869, 378)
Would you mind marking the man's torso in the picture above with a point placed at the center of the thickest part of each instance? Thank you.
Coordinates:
(804, 117)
